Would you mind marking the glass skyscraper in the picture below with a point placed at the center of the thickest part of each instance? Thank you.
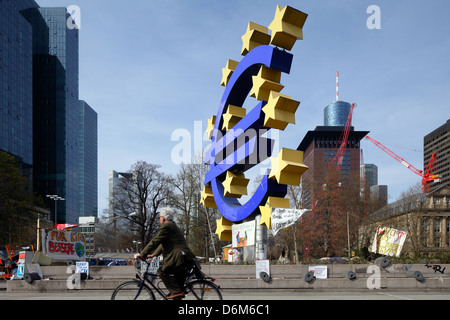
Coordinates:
(87, 168)
(16, 85)
(336, 114)
(39, 94)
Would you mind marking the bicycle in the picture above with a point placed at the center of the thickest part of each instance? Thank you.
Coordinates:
(197, 286)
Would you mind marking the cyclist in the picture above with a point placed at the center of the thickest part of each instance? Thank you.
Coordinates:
(171, 243)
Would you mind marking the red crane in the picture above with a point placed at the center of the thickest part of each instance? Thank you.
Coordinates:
(427, 177)
(339, 157)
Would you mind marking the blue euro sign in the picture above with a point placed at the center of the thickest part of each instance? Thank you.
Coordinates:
(243, 147)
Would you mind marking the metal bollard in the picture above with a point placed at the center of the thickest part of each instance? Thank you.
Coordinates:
(349, 274)
(309, 276)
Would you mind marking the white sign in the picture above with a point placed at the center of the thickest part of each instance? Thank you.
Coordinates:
(262, 266)
(151, 267)
(282, 218)
(243, 234)
(320, 272)
(64, 245)
(82, 267)
(388, 241)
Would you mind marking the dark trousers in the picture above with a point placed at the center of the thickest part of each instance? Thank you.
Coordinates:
(173, 278)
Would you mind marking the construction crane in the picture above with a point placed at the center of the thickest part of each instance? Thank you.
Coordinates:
(427, 176)
(339, 157)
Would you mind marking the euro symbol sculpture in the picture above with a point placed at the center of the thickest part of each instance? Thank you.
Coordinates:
(237, 136)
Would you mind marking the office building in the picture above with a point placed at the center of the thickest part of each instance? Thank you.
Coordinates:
(87, 169)
(39, 105)
(370, 173)
(16, 84)
(321, 145)
(114, 178)
(336, 114)
(438, 141)
(379, 193)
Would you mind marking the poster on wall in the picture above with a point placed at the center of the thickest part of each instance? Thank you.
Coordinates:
(243, 234)
(64, 245)
(388, 241)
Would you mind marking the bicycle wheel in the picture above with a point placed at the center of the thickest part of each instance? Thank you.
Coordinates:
(129, 291)
(203, 290)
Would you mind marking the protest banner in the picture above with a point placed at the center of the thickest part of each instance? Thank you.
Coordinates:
(282, 218)
(64, 245)
(388, 241)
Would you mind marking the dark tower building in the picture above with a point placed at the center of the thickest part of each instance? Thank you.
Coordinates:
(42, 122)
(321, 146)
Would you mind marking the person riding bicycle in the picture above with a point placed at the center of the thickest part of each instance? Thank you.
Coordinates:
(171, 243)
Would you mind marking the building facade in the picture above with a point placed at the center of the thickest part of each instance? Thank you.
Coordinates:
(88, 161)
(425, 217)
(336, 114)
(39, 106)
(319, 148)
(16, 84)
(438, 141)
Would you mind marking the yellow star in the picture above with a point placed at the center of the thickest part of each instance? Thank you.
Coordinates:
(264, 82)
(210, 127)
(228, 71)
(235, 185)
(233, 115)
(287, 27)
(266, 211)
(288, 167)
(279, 111)
(223, 229)
(255, 35)
(207, 197)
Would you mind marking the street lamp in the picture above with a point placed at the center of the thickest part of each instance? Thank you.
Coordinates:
(55, 198)
(137, 245)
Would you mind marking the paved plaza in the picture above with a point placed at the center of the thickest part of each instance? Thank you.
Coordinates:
(251, 295)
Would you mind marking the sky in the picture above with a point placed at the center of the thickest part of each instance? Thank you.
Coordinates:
(153, 68)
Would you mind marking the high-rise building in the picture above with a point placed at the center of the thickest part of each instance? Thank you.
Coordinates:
(113, 180)
(370, 172)
(55, 109)
(16, 84)
(321, 145)
(336, 114)
(379, 193)
(88, 170)
(39, 105)
(438, 141)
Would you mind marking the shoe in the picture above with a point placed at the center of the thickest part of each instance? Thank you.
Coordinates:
(176, 295)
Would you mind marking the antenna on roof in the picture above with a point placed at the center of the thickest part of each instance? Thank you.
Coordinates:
(337, 85)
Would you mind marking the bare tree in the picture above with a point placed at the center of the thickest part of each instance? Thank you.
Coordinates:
(413, 202)
(197, 222)
(144, 192)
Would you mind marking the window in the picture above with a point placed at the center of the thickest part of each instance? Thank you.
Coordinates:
(424, 242)
(437, 226)
(437, 242)
(425, 226)
(448, 225)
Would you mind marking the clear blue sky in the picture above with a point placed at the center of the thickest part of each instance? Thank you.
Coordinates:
(150, 67)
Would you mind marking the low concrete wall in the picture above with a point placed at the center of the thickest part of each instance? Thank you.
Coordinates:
(243, 277)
